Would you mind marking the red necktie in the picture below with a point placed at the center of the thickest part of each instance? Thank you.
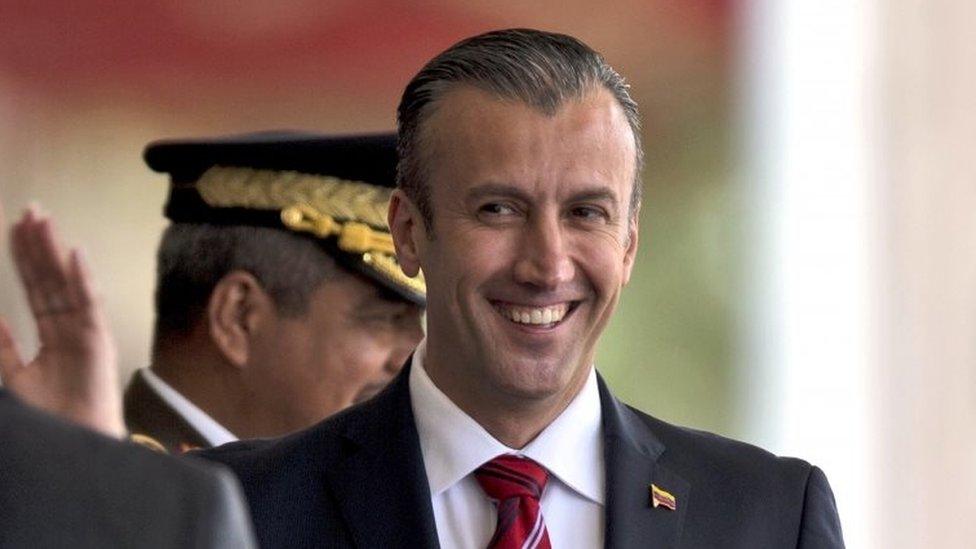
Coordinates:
(514, 485)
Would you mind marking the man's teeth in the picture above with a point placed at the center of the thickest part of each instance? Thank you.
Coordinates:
(535, 315)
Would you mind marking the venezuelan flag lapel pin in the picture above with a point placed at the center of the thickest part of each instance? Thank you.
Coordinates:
(662, 498)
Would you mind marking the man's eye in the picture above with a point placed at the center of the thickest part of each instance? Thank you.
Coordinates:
(497, 208)
(589, 213)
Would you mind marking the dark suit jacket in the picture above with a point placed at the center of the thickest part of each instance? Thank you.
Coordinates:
(358, 480)
(146, 413)
(64, 486)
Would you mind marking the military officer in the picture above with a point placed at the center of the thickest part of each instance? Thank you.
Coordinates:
(279, 300)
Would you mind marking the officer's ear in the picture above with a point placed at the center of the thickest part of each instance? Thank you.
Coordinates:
(237, 307)
(408, 230)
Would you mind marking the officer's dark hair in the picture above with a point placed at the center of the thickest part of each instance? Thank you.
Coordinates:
(541, 69)
(192, 258)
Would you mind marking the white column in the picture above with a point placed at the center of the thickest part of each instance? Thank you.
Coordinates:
(808, 349)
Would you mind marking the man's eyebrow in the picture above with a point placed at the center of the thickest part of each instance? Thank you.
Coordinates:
(496, 189)
(597, 194)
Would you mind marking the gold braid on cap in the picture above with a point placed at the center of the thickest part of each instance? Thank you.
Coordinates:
(354, 237)
(340, 199)
(325, 206)
(388, 266)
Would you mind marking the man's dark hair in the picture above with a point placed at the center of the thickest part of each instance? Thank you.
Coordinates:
(192, 258)
(541, 69)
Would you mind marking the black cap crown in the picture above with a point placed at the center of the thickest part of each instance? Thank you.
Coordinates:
(333, 188)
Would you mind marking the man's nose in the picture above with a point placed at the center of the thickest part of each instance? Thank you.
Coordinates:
(544, 260)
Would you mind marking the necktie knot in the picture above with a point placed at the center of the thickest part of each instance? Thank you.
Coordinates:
(509, 476)
(515, 485)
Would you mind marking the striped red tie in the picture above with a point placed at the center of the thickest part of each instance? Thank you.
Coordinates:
(514, 485)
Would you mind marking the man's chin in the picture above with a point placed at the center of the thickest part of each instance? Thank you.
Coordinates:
(532, 378)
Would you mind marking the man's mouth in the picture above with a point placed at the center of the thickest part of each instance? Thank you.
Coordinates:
(543, 317)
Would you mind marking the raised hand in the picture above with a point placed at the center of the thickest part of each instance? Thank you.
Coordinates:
(75, 373)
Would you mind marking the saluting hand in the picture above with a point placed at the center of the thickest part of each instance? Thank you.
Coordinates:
(74, 374)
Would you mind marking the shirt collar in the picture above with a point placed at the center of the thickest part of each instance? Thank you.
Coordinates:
(454, 444)
(214, 433)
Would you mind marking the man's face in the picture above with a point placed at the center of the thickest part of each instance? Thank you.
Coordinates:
(532, 241)
(352, 341)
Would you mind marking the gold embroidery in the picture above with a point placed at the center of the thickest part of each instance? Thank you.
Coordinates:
(387, 266)
(321, 205)
(358, 237)
(354, 237)
(340, 199)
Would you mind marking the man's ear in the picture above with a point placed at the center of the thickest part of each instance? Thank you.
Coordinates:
(237, 307)
(630, 254)
(406, 227)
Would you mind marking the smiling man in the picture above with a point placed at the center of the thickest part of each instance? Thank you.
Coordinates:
(531, 239)
(518, 199)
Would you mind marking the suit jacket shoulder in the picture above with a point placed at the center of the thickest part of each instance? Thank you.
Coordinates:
(355, 480)
(64, 486)
(735, 494)
(285, 484)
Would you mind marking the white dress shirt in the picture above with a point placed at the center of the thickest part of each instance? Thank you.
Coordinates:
(454, 445)
(213, 432)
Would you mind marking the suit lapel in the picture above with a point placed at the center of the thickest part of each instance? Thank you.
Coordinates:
(632, 455)
(381, 484)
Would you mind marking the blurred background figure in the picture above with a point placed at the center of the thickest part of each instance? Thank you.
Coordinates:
(279, 301)
(809, 249)
(62, 485)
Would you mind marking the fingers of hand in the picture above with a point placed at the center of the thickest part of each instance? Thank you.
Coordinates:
(80, 282)
(51, 267)
(10, 358)
(42, 265)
